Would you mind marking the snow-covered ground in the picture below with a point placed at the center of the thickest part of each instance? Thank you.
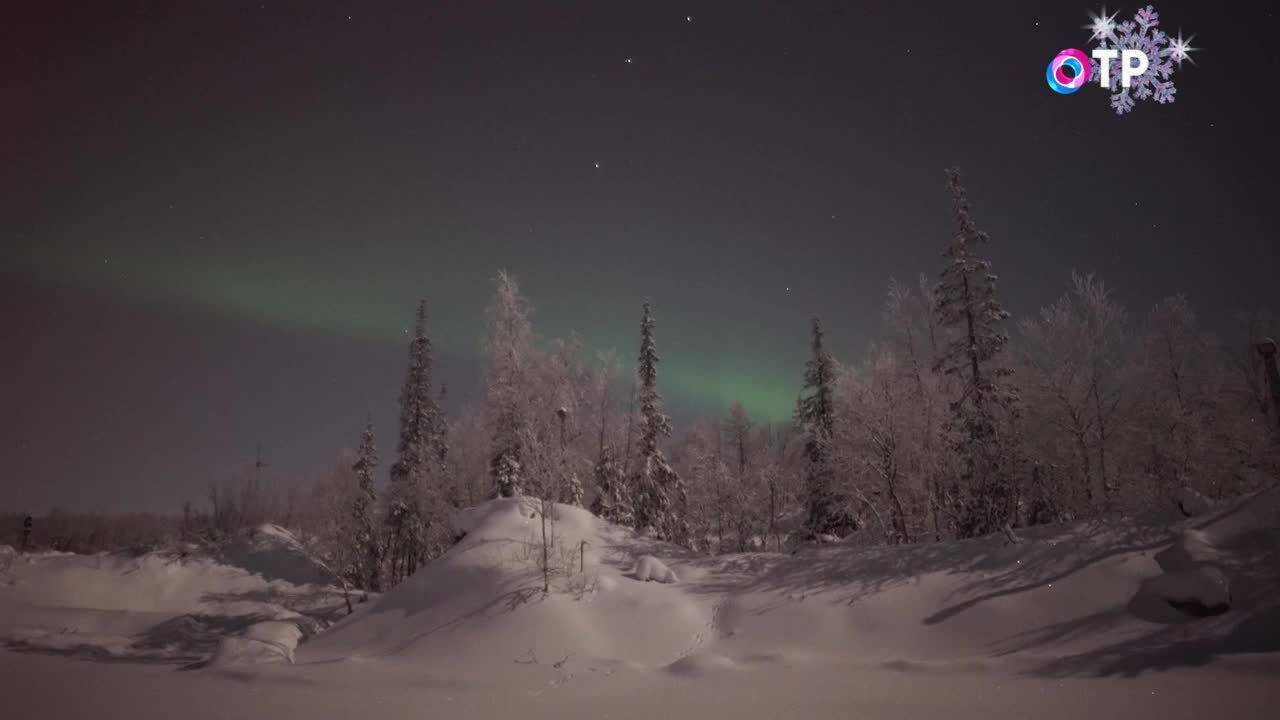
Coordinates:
(1071, 622)
(166, 607)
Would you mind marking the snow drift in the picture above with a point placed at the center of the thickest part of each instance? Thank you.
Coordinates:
(649, 567)
(161, 606)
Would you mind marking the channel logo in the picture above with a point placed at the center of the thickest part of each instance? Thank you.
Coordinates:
(1132, 60)
(1068, 71)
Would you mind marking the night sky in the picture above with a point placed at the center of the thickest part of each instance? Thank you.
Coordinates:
(216, 217)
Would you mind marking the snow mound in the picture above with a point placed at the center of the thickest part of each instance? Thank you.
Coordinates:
(1192, 547)
(701, 663)
(1192, 581)
(272, 641)
(483, 600)
(649, 567)
(1200, 590)
(276, 554)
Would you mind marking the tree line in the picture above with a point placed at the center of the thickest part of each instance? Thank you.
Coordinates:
(957, 422)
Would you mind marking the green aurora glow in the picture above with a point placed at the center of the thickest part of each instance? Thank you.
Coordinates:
(706, 364)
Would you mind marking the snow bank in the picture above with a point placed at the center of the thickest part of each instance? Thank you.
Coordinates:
(154, 607)
(154, 582)
(649, 567)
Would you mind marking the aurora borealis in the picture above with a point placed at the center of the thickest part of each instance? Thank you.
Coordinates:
(295, 175)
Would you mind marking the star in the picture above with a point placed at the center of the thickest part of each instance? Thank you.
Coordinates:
(1101, 25)
(597, 166)
(1180, 49)
(627, 61)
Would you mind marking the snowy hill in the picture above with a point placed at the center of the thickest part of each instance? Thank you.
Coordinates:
(483, 599)
(1073, 621)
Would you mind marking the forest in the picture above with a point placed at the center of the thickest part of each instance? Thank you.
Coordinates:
(958, 421)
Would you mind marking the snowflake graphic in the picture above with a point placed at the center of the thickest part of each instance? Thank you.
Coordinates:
(1142, 33)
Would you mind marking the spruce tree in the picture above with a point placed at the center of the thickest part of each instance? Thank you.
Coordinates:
(738, 428)
(742, 501)
(571, 487)
(416, 453)
(573, 491)
(509, 347)
(815, 416)
(660, 495)
(366, 541)
(612, 501)
(982, 498)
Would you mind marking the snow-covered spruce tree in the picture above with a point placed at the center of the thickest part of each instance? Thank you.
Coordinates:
(570, 487)
(610, 498)
(694, 456)
(743, 503)
(738, 429)
(416, 463)
(713, 486)
(508, 345)
(660, 495)
(366, 541)
(573, 492)
(443, 489)
(982, 496)
(612, 501)
(827, 509)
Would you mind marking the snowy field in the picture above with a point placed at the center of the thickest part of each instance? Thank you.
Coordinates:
(1096, 620)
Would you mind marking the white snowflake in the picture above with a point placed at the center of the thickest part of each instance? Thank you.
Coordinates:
(1141, 33)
